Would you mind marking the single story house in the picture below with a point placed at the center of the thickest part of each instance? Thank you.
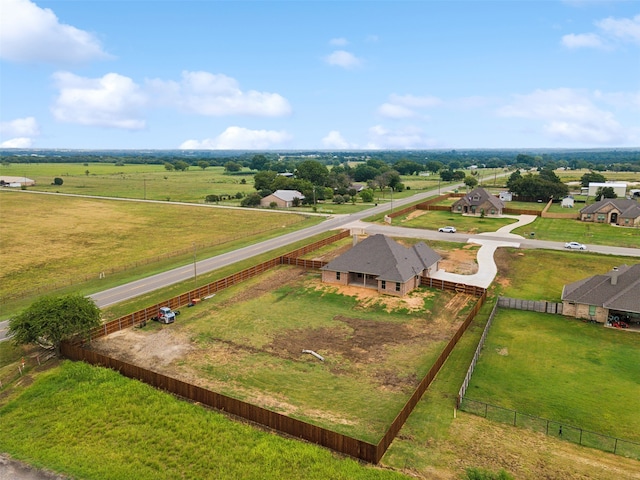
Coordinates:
(619, 188)
(477, 202)
(619, 211)
(282, 198)
(381, 263)
(601, 297)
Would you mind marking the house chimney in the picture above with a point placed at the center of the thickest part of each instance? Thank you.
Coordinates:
(614, 276)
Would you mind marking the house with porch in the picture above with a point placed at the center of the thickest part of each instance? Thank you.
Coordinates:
(619, 211)
(602, 297)
(478, 202)
(380, 263)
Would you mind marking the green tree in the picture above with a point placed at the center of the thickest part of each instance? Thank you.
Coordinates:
(232, 167)
(251, 200)
(181, 165)
(313, 171)
(203, 164)
(470, 181)
(50, 320)
(168, 166)
(264, 179)
(605, 192)
(592, 177)
(58, 181)
(259, 162)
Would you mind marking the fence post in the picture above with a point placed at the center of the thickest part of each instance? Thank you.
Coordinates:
(580, 436)
(615, 446)
(485, 410)
(515, 417)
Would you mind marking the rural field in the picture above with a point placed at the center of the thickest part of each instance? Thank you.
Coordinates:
(247, 343)
(56, 241)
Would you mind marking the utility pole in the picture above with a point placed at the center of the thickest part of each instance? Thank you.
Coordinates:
(195, 273)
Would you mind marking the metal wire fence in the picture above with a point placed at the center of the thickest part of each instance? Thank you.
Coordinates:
(552, 428)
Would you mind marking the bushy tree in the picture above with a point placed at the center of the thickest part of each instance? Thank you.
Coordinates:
(470, 181)
(232, 167)
(592, 177)
(58, 181)
(313, 171)
(605, 192)
(50, 320)
(251, 200)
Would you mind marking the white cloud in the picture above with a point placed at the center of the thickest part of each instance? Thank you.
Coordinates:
(344, 59)
(24, 127)
(406, 106)
(338, 42)
(20, 142)
(401, 139)
(29, 33)
(625, 29)
(335, 140)
(583, 40)
(238, 138)
(568, 115)
(209, 94)
(611, 30)
(110, 101)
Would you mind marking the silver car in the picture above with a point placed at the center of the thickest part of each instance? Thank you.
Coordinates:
(575, 246)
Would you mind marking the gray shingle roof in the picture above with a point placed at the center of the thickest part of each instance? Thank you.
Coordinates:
(478, 196)
(628, 208)
(288, 195)
(598, 290)
(385, 259)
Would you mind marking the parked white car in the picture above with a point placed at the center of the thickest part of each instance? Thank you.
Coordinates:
(575, 246)
(447, 229)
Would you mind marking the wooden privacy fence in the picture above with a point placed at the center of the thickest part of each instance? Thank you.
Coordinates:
(321, 436)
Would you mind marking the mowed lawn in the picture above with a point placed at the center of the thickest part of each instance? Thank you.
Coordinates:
(565, 370)
(247, 342)
(50, 240)
(434, 219)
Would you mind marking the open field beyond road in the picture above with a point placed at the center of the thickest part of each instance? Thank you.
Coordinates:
(55, 240)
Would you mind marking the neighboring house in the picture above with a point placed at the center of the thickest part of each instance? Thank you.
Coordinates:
(505, 196)
(6, 181)
(619, 211)
(358, 187)
(381, 263)
(620, 189)
(477, 202)
(282, 198)
(616, 293)
(567, 202)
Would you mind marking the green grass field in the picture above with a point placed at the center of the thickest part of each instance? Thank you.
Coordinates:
(434, 219)
(247, 343)
(561, 369)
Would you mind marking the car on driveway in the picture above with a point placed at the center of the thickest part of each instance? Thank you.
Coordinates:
(575, 246)
(447, 229)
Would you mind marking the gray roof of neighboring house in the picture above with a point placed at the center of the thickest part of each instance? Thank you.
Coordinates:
(287, 195)
(598, 290)
(478, 196)
(385, 259)
(628, 208)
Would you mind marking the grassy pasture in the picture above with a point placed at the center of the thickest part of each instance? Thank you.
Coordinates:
(247, 343)
(55, 240)
(560, 369)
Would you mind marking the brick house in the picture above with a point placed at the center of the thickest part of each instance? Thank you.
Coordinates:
(477, 202)
(616, 293)
(380, 263)
(620, 211)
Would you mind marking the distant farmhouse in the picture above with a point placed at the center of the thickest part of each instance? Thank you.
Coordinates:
(619, 211)
(282, 198)
(616, 293)
(380, 263)
(477, 202)
(16, 182)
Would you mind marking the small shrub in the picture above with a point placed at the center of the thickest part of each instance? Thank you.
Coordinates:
(273, 205)
(481, 474)
(58, 181)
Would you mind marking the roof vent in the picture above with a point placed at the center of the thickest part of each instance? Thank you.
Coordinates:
(614, 276)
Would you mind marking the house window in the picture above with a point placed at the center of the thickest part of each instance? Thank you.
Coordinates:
(588, 216)
(601, 217)
(493, 211)
(397, 286)
(626, 221)
(459, 208)
(383, 284)
(592, 309)
(337, 275)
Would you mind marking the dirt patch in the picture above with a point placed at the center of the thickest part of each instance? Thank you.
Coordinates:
(462, 261)
(502, 351)
(414, 214)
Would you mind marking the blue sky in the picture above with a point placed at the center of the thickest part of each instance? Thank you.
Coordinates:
(116, 74)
